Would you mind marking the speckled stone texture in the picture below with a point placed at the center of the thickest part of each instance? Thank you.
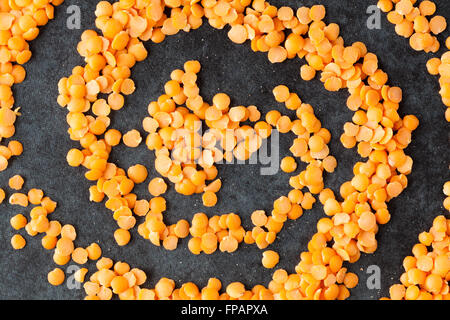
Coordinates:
(248, 78)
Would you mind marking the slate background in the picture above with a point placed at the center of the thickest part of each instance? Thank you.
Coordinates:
(248, 78)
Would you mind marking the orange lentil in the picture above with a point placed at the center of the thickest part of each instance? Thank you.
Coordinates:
(104, 263)
(18, 222)
(49, 242)
(288, 164)
(113, 137)
(329, 163)
(132, 138)
(64, 247)
(209, 199)
(238, 34)
(281, 93)
(119, 284)
(68, 231)
(221, 101)
(404, 7)
(122, 237)
(270, 259)
(438, 24)
(259, 218)
(80, 256)
(75, 157)
(2, 195)
(182, 229)
(56, 277)
(157, 187)
(317, 12)
(170, 243)
(235, 290)
(19, 199)
(277, 54)
(16, 182)
(35, 196)
(54, 229)
(138, 173)
(427, 8)
(18, 242)
(307, 73)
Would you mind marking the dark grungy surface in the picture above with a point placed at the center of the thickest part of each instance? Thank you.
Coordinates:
(248, 78)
